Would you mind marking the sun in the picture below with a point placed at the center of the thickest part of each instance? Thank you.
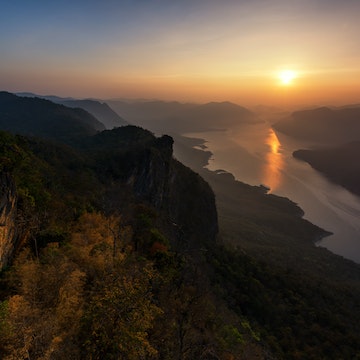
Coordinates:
(286, 77)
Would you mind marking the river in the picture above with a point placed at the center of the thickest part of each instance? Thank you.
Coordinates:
(256, 154)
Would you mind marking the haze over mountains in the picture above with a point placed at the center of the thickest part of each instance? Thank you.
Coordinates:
(161, 116)
(100, 110)
(170, 117)
(335, 135)
(35, 116)
(327, 126)
(323, 125)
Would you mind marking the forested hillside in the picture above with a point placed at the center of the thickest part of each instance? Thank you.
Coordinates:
(97, 274)
(118, 256)
(43, 118)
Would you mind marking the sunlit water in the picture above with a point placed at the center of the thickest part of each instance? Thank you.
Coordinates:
(256, 155)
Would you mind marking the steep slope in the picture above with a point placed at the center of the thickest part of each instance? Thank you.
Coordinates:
(42, 118)
(123, 261)
(269, 270)
(135, 157)
(101, 111)
(126, 162)
(8, 211)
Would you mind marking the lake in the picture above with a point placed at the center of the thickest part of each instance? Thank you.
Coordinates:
(256, 154)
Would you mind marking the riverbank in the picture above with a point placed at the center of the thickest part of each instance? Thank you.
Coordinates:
(268, 227)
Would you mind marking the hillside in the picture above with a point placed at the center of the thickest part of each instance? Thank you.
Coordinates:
(341, 164)
(323, 125)
(271, 271)
(173, 117)
(43, 118)
(101, 111)
(120, 250)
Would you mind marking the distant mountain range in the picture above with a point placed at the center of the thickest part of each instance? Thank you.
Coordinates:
(323, 125)
(43, 118)
(160, 116)
(175, 117)
(100, 110)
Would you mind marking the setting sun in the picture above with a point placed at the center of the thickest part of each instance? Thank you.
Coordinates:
(287, 76)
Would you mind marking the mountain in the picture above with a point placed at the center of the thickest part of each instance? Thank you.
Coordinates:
(53, 98)
(271, 271)
(111, 246)
(43, 118)
(323, 125)
(340, 164)
(218, 115)
(101, 111)
(136, 111)
(115, 217)
(174, 117)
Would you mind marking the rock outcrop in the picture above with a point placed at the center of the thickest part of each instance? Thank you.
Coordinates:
(8, 232)
(127, 163)
(133, 156)
(177, 191)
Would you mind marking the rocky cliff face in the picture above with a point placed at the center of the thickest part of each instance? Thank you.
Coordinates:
(177, 191)
(129, 160)
(8, 233)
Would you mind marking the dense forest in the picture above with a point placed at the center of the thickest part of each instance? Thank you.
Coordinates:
(120, 255)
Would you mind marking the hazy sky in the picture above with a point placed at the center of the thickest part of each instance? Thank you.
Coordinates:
(183, 49)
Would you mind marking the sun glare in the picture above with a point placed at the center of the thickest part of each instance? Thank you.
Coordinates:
(287, 76)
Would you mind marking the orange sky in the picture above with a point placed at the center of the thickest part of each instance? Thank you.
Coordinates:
(199, 50)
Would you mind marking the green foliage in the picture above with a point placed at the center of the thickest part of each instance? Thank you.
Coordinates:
(293, 313)
(231, 336)
(119, 316)
(80, 298)
(113, 286)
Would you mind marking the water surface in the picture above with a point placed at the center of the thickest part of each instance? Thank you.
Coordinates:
(256, 154)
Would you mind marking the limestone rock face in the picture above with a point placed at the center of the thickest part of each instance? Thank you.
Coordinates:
(177, 191)
(8, 232)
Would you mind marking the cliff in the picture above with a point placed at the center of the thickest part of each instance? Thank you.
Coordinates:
(176, 191)
(110, 172)
(133, 156)
(8, 232)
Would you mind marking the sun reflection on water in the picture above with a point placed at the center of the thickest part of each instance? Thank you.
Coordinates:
(274, 162)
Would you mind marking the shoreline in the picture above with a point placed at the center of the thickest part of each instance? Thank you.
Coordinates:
(231, 195)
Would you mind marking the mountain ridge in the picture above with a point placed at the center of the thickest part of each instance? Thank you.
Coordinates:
(175, 117)
(30, 116)
(324, 125)
(98, 109)
(130, 236)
